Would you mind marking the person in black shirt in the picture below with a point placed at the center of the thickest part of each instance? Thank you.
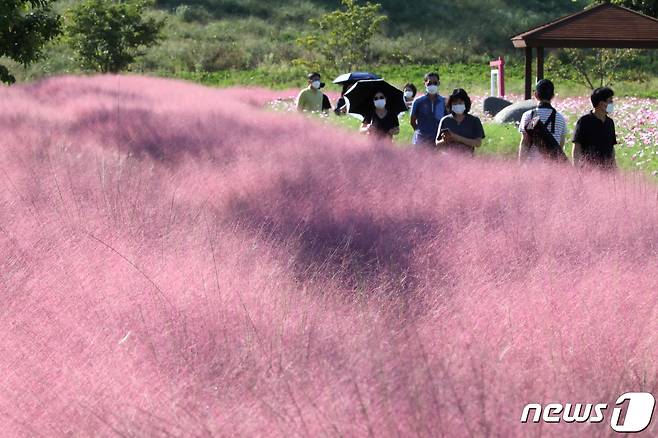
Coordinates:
(380, 121)
(459, 131)
(326, 103)
(594, 138)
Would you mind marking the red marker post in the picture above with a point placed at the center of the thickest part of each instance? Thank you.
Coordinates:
(498, 77)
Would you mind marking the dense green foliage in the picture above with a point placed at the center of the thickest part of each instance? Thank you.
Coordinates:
(649, 7)
(107, 35)
(595, 67)
(229, 42)
(420, 33)
(342, 37)
(25, 26)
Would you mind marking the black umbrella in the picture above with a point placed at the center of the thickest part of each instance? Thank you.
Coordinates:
(355, 76)
(360, 101)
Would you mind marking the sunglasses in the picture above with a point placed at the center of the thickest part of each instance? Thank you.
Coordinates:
(433, 83)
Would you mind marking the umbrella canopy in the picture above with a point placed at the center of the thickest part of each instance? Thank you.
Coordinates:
(355, 76)
(359, 97)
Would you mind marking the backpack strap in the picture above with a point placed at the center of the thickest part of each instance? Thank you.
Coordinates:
(552, 120)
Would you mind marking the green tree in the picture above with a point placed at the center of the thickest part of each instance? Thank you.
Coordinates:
(342, 38)
(649, 7)
(592, 67)
(25, 27)
(109, 34)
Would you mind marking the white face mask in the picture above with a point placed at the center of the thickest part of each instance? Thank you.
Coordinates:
(315, 84)
(408, 94)
(459, 109)
(610, 108)
(380, 104)
(432, 89)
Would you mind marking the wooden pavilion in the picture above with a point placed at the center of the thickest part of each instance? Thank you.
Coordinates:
(601, 26)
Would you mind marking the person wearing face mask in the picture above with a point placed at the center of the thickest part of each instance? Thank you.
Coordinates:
(459, 131)
(427, 111)
(410, 92)
(595, 138)
(380, 122)
(310, 98)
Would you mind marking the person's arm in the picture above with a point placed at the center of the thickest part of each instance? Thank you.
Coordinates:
(524, 144)
(563, 137)
(577, 144)
(471, 142)
(442, 104)
(476, 141)
(439, 140)
(340, 103)
(577, 154)
(300, 101)
(326, 103)
(394, 124)
(614, 132)
(366, 126)
(445, 139)
(563, 140)
(614, 142)
(412, 118)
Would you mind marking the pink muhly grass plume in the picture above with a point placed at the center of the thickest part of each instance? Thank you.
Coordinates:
(175, 261)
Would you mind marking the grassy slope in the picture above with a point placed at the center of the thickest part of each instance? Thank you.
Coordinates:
(412, 44)
(216, 35)
(473, 77)
(227, 43)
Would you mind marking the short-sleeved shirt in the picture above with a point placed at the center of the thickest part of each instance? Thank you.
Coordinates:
(470, 127)
(382, 125)
(544, 111)
(310, 100)
(597, 139)
(428, 114)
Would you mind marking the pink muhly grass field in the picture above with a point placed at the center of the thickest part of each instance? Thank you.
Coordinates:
(174, 262)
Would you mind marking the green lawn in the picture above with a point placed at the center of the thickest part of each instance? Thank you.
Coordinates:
(503, 140)
(499, 140)
(473, 77)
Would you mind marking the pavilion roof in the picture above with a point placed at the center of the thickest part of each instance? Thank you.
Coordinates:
(603, 25)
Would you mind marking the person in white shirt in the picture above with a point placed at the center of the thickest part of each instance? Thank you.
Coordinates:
(410, 92)
(544, 93)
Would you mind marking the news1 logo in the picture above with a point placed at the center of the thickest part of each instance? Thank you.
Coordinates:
(638, 413)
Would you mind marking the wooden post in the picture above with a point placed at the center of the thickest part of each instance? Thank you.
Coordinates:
(540, 63)
(528, 72)
(499, 64)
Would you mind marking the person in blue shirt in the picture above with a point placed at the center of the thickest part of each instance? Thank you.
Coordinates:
(427, 111)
